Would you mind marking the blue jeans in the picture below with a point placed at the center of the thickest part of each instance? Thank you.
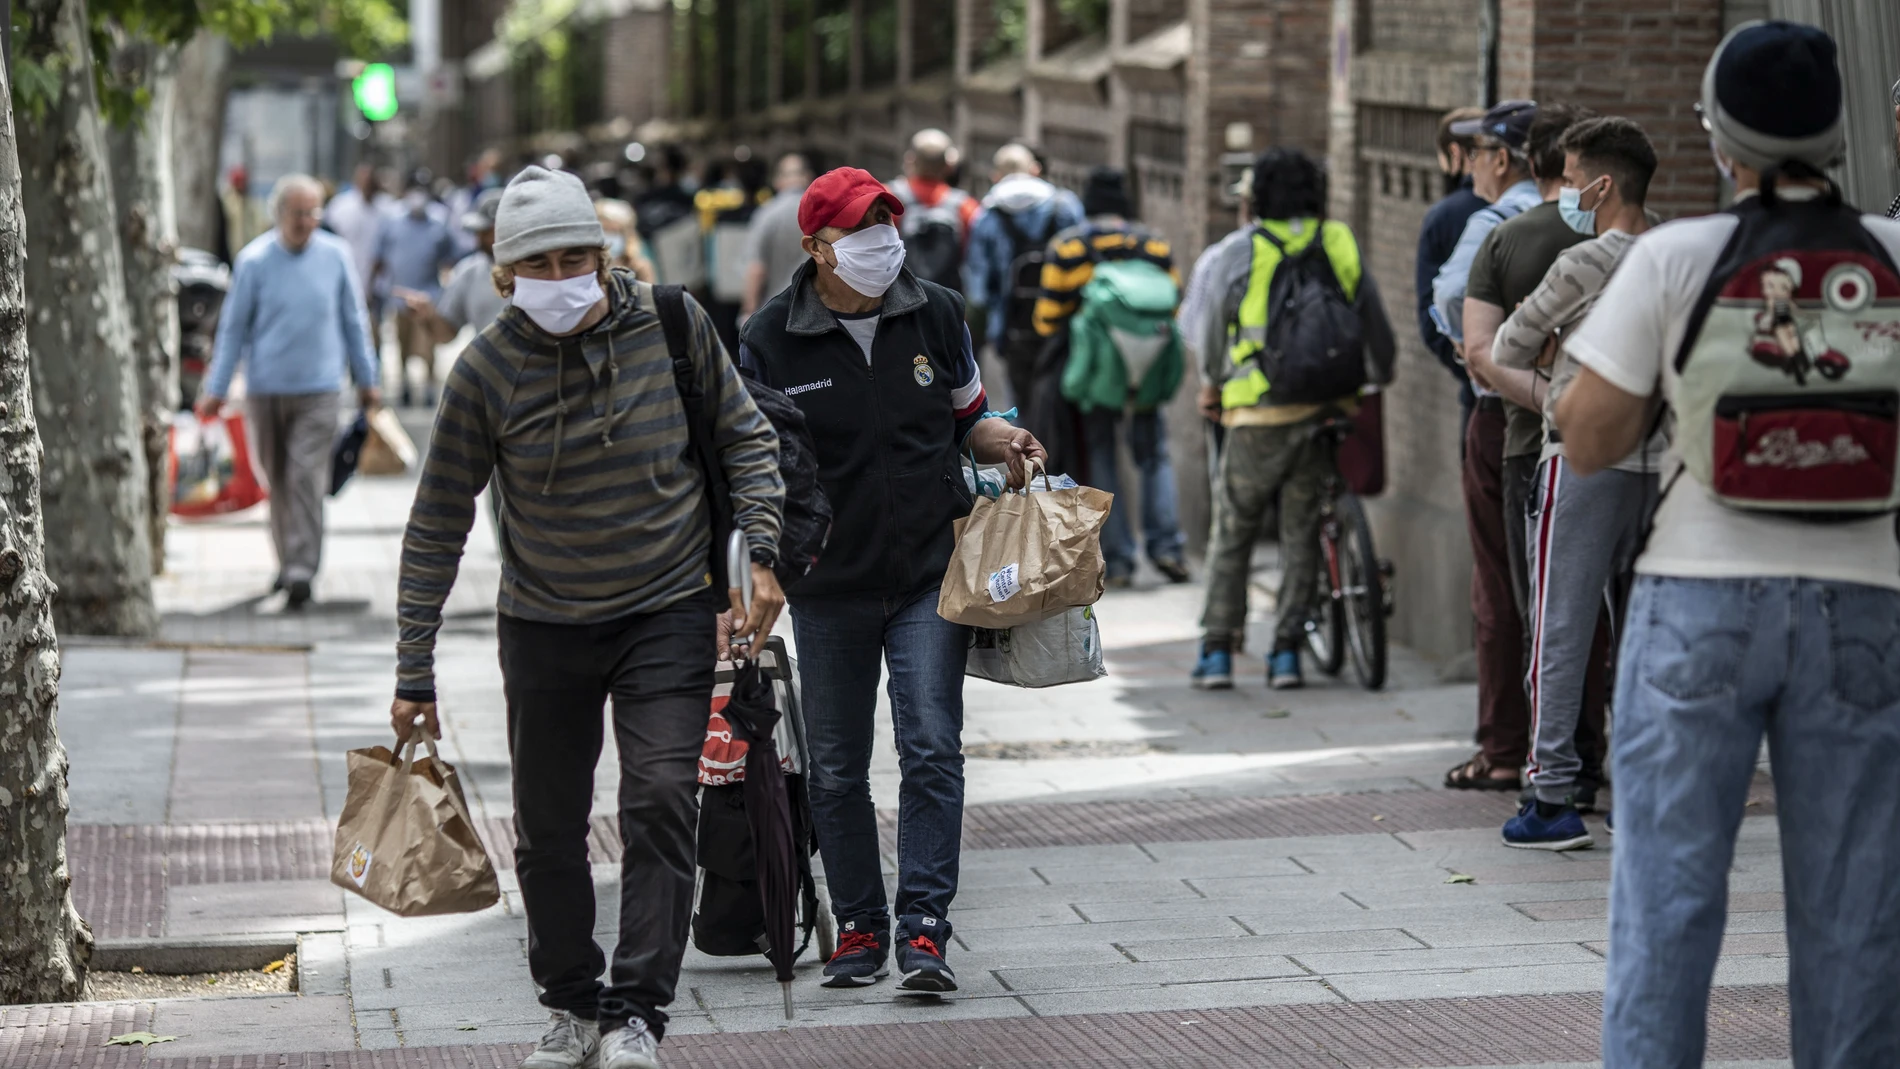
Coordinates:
(841, 642)
(1160, 518)
(1708, 667)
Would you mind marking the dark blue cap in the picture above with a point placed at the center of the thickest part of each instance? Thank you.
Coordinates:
(1509, 122)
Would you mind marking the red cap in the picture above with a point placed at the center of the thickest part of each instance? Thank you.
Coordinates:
(840, 198)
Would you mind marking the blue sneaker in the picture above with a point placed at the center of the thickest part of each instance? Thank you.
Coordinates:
(1283, 670)
(921, 946)
(863, 954)
(1214, 671)
(1609, 822)
(1547, 826)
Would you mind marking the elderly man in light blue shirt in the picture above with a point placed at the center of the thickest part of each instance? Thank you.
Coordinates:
(1503, 179)
(294, 321)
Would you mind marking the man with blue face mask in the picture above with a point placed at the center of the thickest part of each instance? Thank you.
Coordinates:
(1582, 531)
(881, 364)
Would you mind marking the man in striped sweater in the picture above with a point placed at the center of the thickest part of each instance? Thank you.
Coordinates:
(566, 406)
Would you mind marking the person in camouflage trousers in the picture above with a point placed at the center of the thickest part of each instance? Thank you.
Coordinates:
(1271, 448)
(1258, 464)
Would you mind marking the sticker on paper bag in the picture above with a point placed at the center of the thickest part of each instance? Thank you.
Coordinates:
(359, 864)
(1004, 582)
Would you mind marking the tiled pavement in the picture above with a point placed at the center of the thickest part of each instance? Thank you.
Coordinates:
(1152, 876)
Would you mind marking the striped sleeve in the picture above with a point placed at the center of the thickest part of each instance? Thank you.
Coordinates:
(747, 444)
(1065, 270)
(459, 461)
(966, 389)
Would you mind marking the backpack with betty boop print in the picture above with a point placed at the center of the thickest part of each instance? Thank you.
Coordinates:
(1788, 397)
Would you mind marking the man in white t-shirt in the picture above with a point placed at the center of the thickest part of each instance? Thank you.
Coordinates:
(1745, 624)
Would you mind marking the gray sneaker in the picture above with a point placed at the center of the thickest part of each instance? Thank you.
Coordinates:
(630, 1046)
(570, 1043)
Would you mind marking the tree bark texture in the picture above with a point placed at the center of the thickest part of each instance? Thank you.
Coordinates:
(85, 381)
(197, 108)
(44, 945)
(148, 238)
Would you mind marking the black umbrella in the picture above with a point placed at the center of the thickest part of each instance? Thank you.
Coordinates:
(753, 713)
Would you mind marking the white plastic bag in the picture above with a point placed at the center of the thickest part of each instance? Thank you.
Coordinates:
(1066, 648)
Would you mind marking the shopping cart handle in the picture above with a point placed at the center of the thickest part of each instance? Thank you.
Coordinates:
(739, 570)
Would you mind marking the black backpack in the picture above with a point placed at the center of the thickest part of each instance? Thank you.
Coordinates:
(1315, 348)
(1025, 283)
(805, 519)
(933, 241)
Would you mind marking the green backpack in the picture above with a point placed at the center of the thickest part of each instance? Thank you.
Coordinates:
(1124, 346)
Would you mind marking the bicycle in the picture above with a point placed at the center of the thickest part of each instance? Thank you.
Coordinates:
(1354, 594)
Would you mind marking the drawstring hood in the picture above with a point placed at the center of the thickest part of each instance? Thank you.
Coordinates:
(560, 415)
(610, 417)
(623, 305)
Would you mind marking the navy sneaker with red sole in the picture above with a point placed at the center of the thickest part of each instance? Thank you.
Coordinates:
(920, 956)
(863, 955)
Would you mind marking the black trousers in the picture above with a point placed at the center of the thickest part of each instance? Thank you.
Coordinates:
(658, 669)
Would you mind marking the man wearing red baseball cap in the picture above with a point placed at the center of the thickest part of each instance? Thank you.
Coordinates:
(881, 364)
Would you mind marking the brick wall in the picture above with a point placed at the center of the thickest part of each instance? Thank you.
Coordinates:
(1444, 29)
(1638, 58)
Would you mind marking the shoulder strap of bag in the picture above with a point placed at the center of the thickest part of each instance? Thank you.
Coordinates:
(701, 406)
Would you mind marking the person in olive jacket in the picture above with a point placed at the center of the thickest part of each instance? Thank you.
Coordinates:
(881, 364)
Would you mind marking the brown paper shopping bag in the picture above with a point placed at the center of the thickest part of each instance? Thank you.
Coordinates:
(1025, 557)
(405, 840)
(388, 450)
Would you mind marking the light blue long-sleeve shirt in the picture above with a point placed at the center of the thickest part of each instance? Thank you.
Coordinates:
(294, 320)
(1448, 289)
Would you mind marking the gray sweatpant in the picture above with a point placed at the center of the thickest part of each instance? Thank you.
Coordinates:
(1581, 531)
(294, 434)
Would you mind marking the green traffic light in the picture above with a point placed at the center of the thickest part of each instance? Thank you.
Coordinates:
(375, 91)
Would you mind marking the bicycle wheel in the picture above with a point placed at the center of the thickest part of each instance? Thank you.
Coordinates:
(1326, 628)
(1363, 598)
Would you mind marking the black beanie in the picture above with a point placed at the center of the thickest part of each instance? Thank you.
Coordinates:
(1106, 193)
(1772, 92)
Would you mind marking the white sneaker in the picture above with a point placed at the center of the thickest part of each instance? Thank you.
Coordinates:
(570, 1043)
(630, 1047)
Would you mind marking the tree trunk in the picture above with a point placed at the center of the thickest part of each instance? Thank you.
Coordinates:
(44, 945)
(197, 134)
(148, 238)
(85, 383)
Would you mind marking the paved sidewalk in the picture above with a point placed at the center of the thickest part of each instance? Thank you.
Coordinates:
(1152, 875)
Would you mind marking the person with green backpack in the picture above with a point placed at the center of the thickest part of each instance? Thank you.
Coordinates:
(1125, 355)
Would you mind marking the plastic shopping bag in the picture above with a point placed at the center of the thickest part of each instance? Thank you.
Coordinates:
(1025, 557)
(211, 471)
(1061, 649)
(405, 840)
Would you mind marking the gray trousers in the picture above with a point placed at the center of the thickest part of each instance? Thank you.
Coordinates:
(1581, 532)
(293, 435)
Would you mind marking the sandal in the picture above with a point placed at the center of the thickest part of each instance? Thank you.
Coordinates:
(1475, 775)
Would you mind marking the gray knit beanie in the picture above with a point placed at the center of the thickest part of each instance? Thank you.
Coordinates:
(543, 210)
(1772, 93)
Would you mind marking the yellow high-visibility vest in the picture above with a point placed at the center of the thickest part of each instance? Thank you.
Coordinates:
(1246, 384)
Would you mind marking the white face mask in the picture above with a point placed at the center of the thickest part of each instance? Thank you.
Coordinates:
(557, 305)
(869, 260)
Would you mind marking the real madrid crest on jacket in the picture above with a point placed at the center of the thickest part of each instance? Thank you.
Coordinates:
(886, 428)
(1790, 370)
